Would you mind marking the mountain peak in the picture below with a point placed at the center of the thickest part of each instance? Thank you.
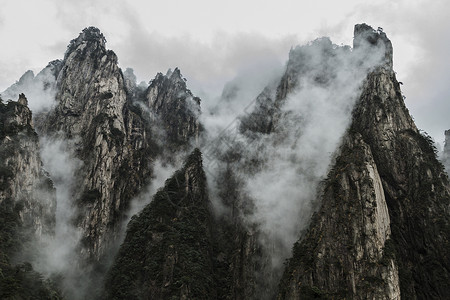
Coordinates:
(365, 34)
(90, 36)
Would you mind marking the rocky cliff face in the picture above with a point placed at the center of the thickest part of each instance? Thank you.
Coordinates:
(373, 237)
(24, 181)
(110, 121)
(287, 120)
(382, 222)
(176, 108)
(90, 111)
(27, 203)
(318, 62)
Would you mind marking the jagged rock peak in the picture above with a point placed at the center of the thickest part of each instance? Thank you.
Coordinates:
(173, 76)
(364, 33)
(19, 115)
(447, 136)
(54, 67)
(23, 100)
(90, 34)
(90, 38)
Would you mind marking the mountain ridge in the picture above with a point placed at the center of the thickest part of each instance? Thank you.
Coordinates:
(365, 222)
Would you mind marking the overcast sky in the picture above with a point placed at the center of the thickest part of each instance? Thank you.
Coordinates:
(214, 41)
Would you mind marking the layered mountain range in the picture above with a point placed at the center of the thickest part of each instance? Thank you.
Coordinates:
(325, 189)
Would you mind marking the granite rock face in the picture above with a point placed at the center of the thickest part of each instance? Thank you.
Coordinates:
(27, 204)
(381, 224)
(24, 181)
(373, 237)
(91, 100)
(175, 107)
(111, 123)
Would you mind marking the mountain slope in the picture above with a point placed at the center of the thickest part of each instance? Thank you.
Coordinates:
(167, 252)
(113, 130)
(27, 204)
(383, 228)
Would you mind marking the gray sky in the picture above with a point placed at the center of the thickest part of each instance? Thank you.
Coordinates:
(214, 41)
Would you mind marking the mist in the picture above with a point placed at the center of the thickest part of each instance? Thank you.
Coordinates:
(282, 188)
(59, 254)
(39, 89)
(296, 156)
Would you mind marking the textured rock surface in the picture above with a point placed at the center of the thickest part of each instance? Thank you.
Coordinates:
(382, 231)
(27, 204)
(91, 101)
(111, 122)
(23, 180)
(175, 107)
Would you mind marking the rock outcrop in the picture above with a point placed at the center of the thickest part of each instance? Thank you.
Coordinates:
(40, 88)
(23, 180)
(287, 114)
(27, 204)
(111, 123)
(176, 107)
(91, 101)
(383, 226)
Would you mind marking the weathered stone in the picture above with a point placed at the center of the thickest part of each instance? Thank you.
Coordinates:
(373, 237)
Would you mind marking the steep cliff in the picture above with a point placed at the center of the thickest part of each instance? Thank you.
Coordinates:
(269, 171)
(24, 181)
(111, 123)
(167, 252)
(91, 101)
(27, 204)
(176, 107)
(383, 226)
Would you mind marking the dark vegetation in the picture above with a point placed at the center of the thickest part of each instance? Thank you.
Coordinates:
(167, 250)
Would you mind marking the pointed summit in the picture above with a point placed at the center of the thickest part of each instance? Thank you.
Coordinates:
(90, 38)
(91, 34)
(175, 105)
(384, 206)
(167, 250)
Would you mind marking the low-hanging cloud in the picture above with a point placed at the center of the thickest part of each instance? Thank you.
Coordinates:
(40, 89)
(297, 155)
(59, 253)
